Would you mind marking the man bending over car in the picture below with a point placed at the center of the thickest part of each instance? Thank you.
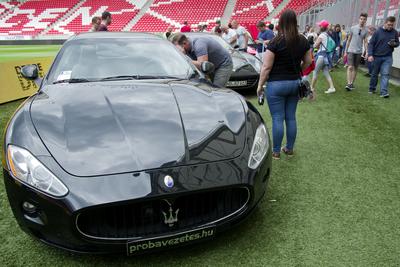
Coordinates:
(201, 49)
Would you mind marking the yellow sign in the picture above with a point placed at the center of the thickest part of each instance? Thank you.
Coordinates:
(12, 85)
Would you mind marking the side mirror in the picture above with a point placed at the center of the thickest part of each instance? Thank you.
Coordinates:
(207, 67)
(30, 72)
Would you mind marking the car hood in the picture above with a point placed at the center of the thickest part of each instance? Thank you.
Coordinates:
(240, 61)
(104, 128)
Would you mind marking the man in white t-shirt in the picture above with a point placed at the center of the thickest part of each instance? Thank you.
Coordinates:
(242, 35)
(354, 47)
(229, 36)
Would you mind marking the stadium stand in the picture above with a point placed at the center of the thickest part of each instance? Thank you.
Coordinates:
(300, 5)
(32, 17)
(175, 12)
(5, 7)
(393, 5)
(251, 11)
(80, 21)
(66, 17)
(149, 23)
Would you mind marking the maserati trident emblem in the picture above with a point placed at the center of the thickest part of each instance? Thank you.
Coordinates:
(171, 218)
(168, 181)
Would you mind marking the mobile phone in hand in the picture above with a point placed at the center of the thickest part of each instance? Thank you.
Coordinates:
(261, 100)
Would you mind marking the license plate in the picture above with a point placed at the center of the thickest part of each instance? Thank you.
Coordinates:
(236, 83)
(163, 242)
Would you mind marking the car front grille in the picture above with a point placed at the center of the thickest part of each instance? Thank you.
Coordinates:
(146, 218)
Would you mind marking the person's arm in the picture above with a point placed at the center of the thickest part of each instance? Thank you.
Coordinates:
(201, 52)
(318, 43)
(307, 60)
(233, 40)
(348, 43)
(365, 46)
(396, 38)
(266, 68)
(199, 60)
(371, 47)
(246, 39)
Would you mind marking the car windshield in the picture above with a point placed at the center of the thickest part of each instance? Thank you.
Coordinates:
(98, 59)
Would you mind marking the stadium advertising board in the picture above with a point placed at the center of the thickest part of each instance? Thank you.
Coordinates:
(13, 85)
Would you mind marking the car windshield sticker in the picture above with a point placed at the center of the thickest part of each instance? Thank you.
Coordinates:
(64, 75)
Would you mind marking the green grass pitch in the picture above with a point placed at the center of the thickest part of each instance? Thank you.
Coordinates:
(336, 203)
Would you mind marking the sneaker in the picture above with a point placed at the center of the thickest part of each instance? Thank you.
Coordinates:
(276, 155)
(350, 87)
(330, 91)
(385, 96)
(371, 92)
(288, 152)
(367, 75)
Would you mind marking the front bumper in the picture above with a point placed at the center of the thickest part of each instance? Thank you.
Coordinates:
(54, 222)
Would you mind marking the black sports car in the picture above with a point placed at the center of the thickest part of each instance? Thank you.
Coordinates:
(127, 147)
(246, 67)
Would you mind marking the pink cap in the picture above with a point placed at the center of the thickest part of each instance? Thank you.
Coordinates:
(323, 23)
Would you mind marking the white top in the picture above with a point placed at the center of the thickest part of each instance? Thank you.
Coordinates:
(241, 31)
(228, 36)
(324, 42)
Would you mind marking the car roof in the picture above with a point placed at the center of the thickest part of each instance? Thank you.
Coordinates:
(110, 35)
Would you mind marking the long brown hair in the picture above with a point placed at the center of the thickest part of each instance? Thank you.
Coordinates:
(288, 29)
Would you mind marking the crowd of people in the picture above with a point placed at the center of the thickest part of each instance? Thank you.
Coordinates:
(289, 58)
(361, 44)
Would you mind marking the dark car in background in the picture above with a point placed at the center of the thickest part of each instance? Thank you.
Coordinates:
(126, 147)
(246, 67)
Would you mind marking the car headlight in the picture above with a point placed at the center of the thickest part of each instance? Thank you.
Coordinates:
(260, 147)
(26, 168)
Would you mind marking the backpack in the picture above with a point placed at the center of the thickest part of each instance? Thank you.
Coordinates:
(330, 45)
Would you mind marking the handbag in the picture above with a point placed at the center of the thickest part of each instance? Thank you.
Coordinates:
(304, 89)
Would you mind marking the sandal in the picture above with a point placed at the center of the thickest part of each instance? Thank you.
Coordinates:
(276, 156)
(288, 152)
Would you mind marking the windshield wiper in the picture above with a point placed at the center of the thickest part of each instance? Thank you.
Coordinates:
(74, 80)
(138, 77)
(158, 77)
(120, 77)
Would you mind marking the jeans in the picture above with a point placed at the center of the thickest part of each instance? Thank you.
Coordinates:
(370, 67)
(222, 75)
(381, 65)
(282, 98)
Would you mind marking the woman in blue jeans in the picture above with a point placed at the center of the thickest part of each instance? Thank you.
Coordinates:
(286, 56)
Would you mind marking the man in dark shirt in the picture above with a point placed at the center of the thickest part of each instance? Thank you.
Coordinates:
(264, 37)
(105, 21)
(380, 51)
(205, 48)
(336, 34)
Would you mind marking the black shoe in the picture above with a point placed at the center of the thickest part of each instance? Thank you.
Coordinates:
(371, 92)
(367, 75)
(349, 87)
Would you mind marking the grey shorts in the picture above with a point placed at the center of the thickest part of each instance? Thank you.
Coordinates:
(353, 59)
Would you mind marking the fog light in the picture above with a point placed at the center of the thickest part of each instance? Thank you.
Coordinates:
(28, 207)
